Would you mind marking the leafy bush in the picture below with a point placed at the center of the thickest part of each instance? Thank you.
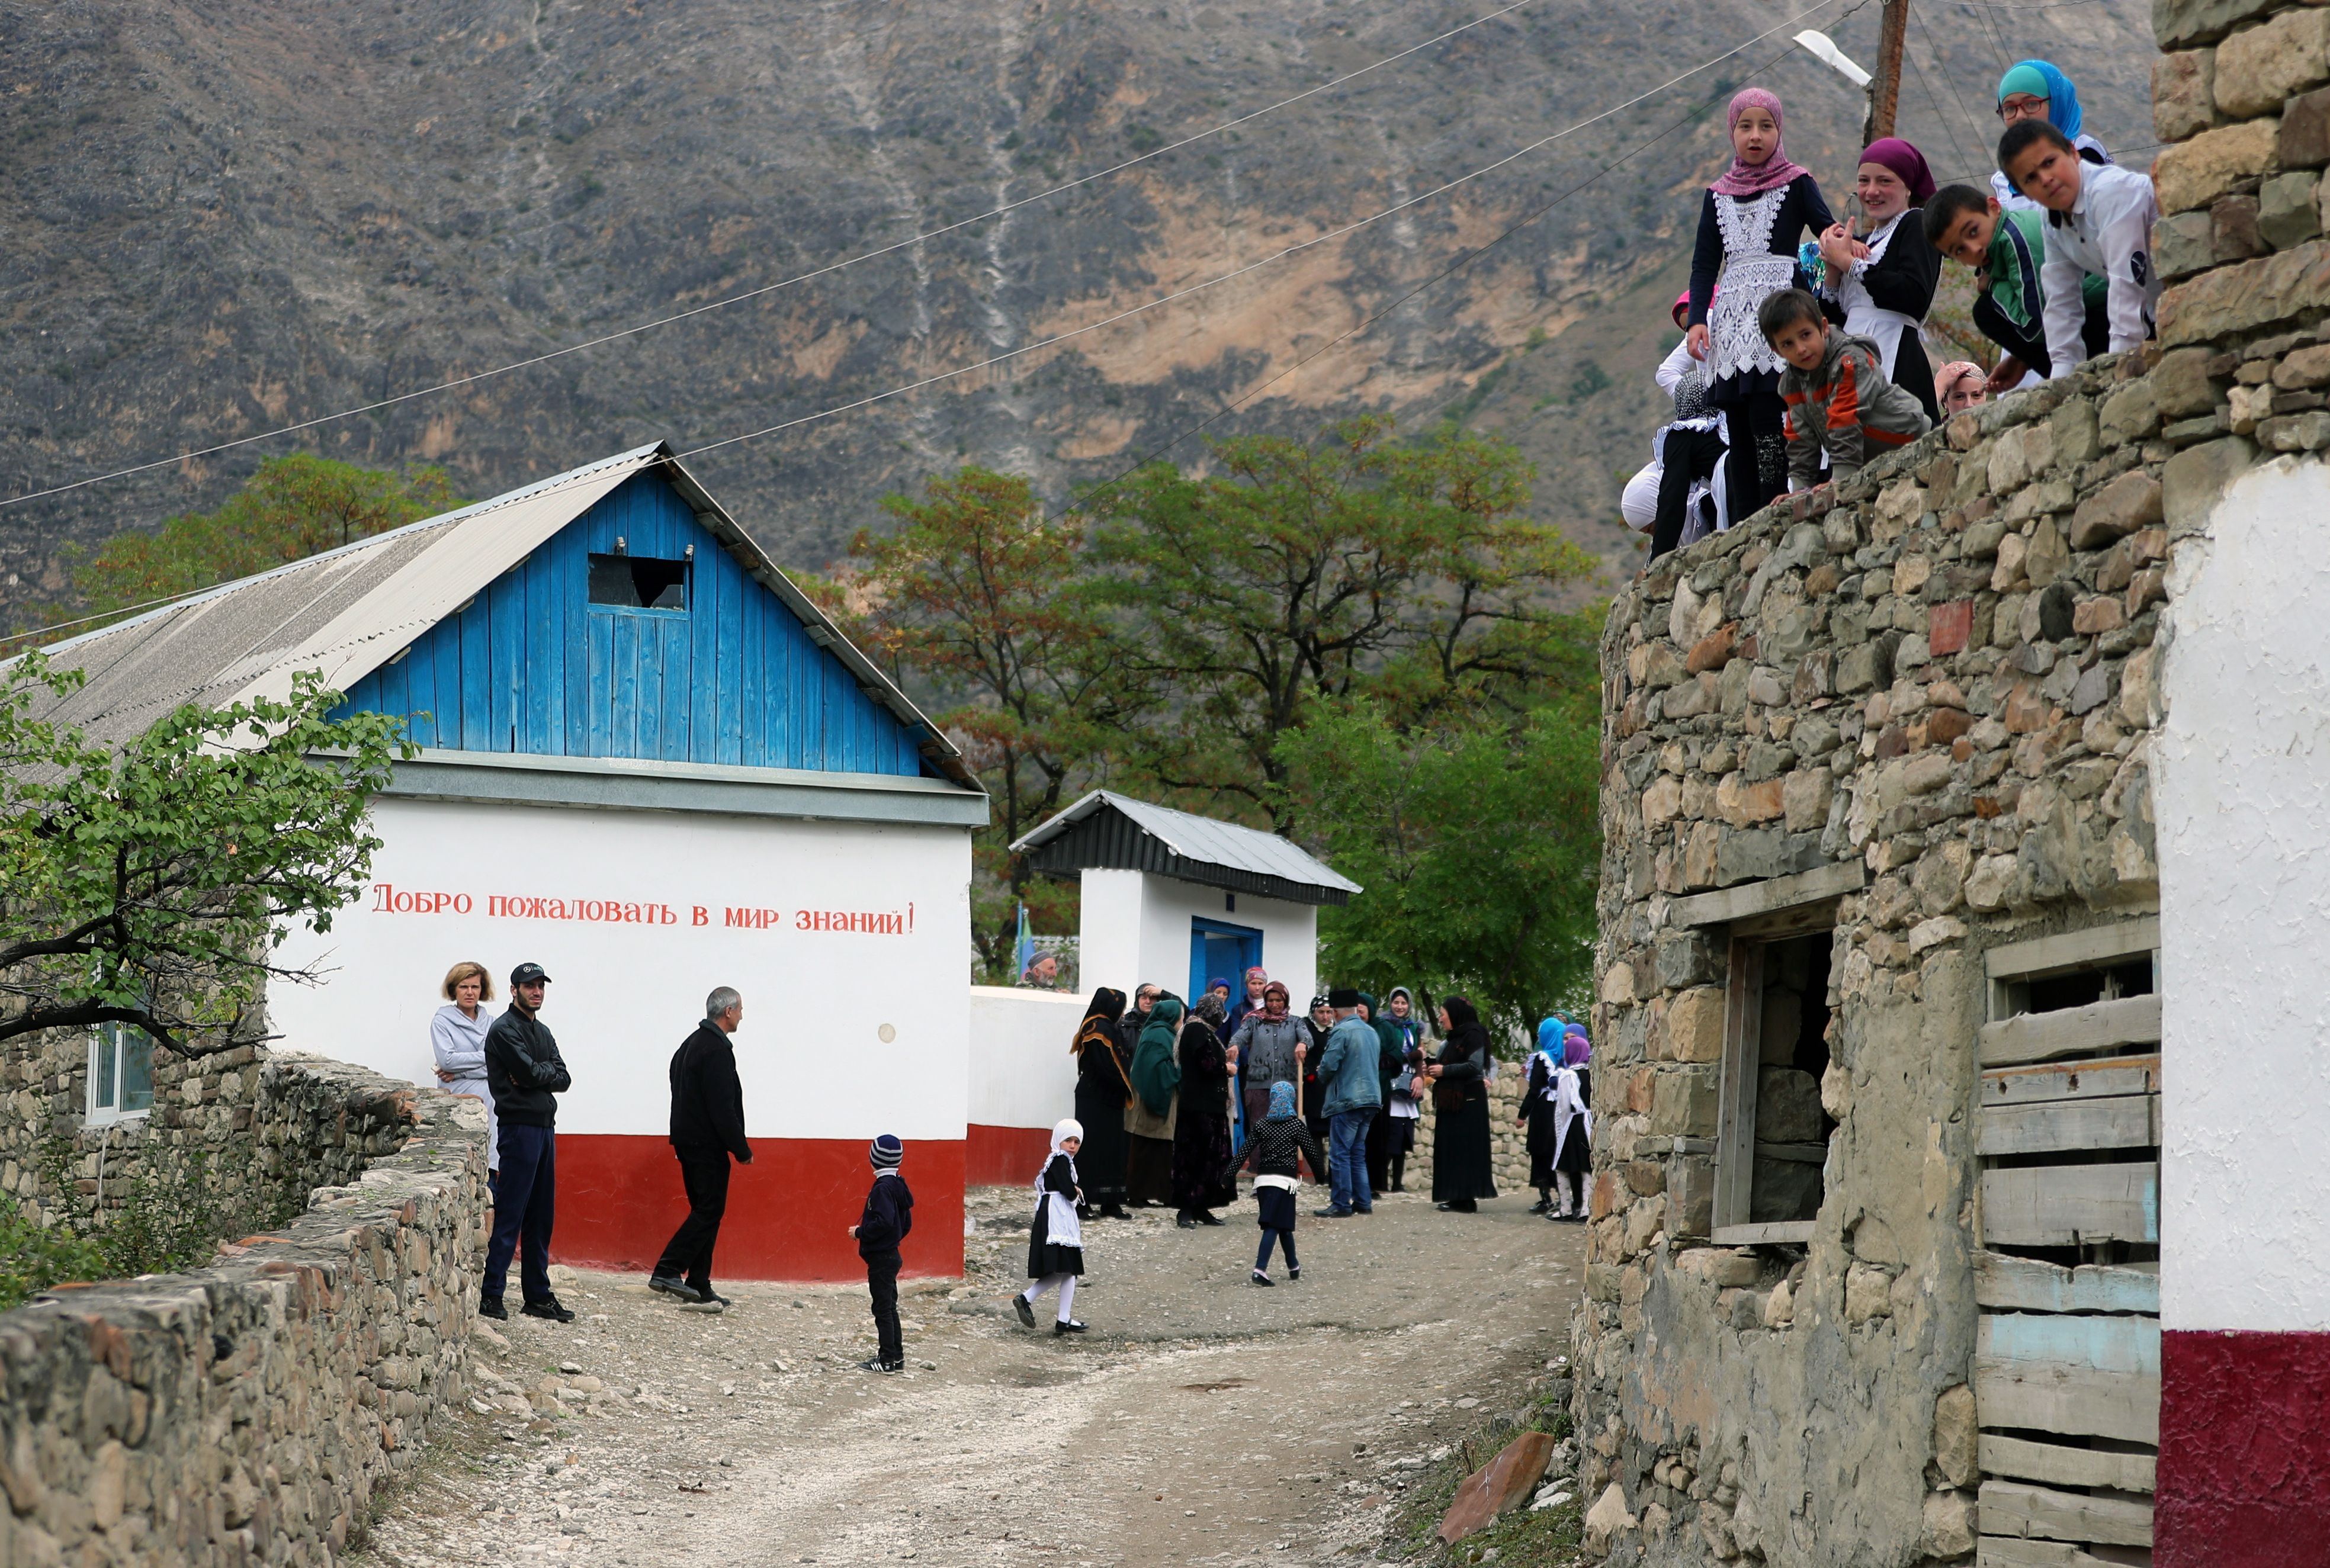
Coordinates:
(168, 1220)
(33, 1256)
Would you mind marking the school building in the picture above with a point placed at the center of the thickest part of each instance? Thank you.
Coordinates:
(650, 764)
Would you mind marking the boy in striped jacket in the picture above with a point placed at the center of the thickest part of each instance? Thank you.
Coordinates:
(1839, 398)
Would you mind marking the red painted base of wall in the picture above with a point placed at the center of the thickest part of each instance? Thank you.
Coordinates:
(1004, 1157)
(2244, 1463)
(788, 1212)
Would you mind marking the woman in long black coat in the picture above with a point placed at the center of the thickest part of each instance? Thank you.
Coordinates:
(1202, 1137)
(1461, 1154)
(1103, 1085)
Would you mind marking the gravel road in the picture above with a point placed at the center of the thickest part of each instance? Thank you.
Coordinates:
(1201, 1420)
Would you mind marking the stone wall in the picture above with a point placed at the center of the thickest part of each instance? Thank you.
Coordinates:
(1940, 679)
(264, 1130)
(244, 1414)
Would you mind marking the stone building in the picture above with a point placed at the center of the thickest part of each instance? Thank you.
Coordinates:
(1959, 1017)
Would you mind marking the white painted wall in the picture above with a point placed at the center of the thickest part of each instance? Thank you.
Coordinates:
(2242, 805)
(812, 1052)
(1136, 928)
(1022, 1072)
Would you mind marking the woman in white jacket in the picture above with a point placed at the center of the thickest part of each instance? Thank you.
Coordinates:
(457, 1035)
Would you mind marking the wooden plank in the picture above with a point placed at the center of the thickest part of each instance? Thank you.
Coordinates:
(1763, 1234)
(2028, 1283)
(2061, 1397)
(1798, 1153)
(2098, 1029)
(2107, 1344)
(2013, 1552)
(2042, 1513)
(2078, 1081)
(2063, 1205)
(1735, 1108)
(2071, 949)
(2094, 1030)
(2067, 1466)
(1771, 894)
(2121, 1121)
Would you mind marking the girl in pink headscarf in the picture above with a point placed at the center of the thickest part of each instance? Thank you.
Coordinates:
(1878, 283)
(1748, 226)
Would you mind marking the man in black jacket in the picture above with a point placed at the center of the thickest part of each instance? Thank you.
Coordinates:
(527, 1075)
(707, 1126)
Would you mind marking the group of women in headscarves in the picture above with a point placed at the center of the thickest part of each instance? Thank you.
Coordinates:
(1557, 1110)
(1765, 226)
(1153, 1097)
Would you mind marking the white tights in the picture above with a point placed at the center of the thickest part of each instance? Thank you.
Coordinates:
(1572, 1200)
(1067, 1284)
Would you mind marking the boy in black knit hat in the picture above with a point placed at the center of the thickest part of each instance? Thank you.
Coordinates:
(889, 1215)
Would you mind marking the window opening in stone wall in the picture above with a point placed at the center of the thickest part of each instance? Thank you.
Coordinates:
(120, 1073)
(2067, 1265)
(637, 582)
(1772, 1130)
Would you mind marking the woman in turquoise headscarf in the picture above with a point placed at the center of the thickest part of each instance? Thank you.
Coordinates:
(1149, 1119)
(1537, 1108)
(2035, 88)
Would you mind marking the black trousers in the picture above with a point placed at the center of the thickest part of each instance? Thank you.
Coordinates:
(2031, 348)
(882, 1284)
(1687, 454)
(526, 1203)
(1755, 467)
(704, 1173)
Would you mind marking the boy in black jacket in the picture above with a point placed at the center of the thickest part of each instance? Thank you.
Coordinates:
(889, 1216)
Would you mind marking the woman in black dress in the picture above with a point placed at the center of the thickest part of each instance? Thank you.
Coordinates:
(1879, 285)
(1104, 1084)
(1461, 1163)
(1202, 1135)
(1748, 224)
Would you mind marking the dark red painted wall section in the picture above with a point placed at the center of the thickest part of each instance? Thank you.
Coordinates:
(788, 1212)
(1004, 1157)
(2244, 1451)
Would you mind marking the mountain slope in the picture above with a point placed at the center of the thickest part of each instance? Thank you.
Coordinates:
(222, 218)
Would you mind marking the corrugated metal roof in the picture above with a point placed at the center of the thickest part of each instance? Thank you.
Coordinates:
(347, 611)
(1203, 841)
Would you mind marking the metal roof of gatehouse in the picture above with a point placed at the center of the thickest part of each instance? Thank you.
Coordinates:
(1108, 829)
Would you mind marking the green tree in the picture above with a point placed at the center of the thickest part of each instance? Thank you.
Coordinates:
(1294, 572)
(986, 601)
(150, 884)
(292, 508)
(1477, 840)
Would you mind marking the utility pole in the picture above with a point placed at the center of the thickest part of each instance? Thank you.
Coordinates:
(1885, 87)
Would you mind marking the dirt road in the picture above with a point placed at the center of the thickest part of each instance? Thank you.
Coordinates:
(1201, 1420)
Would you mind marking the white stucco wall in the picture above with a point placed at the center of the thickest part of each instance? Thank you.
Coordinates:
(2242, 804)
(847, 1034)
(1022, 1073)
(1136, 928)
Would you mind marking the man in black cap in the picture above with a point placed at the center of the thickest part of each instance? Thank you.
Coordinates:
(526, 1074)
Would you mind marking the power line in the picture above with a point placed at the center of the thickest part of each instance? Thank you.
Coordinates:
(629, 332)
(1397, 208)
(1454, 267)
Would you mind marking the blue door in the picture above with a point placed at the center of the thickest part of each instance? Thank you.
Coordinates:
(1218, 949)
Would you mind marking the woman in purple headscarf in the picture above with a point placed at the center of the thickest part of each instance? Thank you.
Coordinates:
(1748, 226)
(1879, 284)
(1573, 1125)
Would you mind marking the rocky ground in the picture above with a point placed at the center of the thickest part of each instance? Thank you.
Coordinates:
(1201, 1420)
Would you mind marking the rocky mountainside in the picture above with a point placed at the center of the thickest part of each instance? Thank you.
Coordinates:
(222, 218)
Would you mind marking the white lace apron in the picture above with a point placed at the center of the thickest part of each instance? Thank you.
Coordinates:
(1751, 275)
(1061, 1226)
(1862, 317)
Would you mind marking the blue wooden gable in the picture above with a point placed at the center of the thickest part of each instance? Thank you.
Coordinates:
(531, 665)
